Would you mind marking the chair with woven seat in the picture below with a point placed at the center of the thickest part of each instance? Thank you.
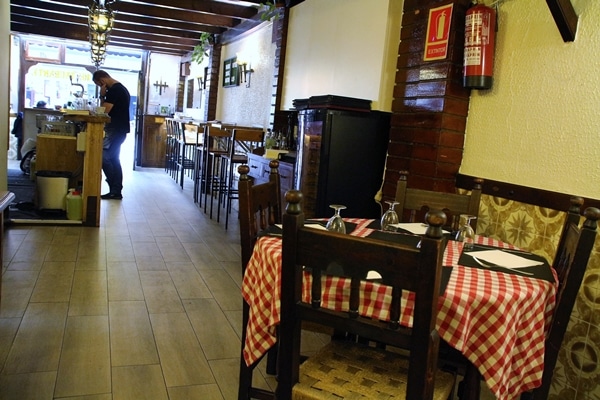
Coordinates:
(260, 207)
(414, 203)
(407, 368)
(570, 263)
(243, 141)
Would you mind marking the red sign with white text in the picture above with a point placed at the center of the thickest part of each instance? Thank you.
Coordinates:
(438, 32)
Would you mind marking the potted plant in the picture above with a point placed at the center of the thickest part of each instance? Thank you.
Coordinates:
(201, 49)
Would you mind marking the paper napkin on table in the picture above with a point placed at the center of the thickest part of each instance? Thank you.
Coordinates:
(314, 226)
(504, 259)
(416, 228)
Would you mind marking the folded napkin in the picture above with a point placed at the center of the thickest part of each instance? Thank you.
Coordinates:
(528, 262)
(504, 259)
(313, 225)
(415, 228)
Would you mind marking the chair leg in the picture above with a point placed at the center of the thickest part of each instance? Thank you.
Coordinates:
(470, 387)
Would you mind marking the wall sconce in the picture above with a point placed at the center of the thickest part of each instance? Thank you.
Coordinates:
(160, 86)
(100, 17)
(200, 83)
(246, 72)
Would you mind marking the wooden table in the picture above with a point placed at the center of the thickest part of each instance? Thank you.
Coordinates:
(497, 320)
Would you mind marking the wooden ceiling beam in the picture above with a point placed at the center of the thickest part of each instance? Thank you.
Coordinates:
(231, 10)
(565, 17)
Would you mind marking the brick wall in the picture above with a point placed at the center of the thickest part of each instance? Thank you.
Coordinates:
(430, 106)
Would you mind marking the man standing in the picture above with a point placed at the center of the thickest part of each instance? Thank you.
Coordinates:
(115, 98)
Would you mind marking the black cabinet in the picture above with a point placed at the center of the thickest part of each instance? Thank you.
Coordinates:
(341, 160)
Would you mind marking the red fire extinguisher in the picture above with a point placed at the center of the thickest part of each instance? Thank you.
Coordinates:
(480, 32)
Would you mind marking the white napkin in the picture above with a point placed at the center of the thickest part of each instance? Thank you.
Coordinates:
(413, 227)
(504, 259)
(314, 226)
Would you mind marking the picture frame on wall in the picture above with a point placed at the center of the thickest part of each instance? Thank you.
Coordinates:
(231, 75)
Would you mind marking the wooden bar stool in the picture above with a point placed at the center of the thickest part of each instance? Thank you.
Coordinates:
(217, 144)
(243, 141)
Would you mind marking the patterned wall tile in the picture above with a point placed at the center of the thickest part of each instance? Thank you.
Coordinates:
(537, 229)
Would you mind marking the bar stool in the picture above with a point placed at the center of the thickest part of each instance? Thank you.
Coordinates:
(198, 162)
(170, 147)
(216, 145)
(186, 140)
(243, 141)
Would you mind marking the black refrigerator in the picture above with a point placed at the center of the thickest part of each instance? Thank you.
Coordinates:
(341, 159)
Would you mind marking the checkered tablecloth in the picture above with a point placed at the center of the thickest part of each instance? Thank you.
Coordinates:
(497, 320)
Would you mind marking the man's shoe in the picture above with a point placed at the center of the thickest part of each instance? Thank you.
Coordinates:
(111, 196)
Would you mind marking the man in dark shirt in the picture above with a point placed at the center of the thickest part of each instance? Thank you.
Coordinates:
(115, 98)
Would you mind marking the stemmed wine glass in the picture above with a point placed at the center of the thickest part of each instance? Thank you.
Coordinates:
(389, 217)
(465, 233)
(336, 223)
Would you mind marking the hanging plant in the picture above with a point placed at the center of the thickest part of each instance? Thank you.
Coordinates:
(201, 49)
(269, 11)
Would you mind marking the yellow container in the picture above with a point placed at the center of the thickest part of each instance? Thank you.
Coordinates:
(74, 203)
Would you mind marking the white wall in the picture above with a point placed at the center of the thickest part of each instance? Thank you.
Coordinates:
(540, 122)
(343, 47)
(163, 68)
(240, 104)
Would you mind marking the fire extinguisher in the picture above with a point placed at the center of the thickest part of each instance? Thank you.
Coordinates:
(480, 32)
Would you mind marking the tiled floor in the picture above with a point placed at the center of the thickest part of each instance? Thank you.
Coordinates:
(147, 306)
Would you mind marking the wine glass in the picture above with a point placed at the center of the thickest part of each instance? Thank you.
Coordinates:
(336, 223)
(389, 217)
(465, 233)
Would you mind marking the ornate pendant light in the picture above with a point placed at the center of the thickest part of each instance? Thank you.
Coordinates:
(100, 18)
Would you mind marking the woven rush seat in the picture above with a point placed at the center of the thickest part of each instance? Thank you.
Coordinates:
(350, 371)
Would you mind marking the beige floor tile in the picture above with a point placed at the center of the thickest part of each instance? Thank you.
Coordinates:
(8, 331)
(181, 356)
(31, 251)
(131, 337)
(196, 392)
(85, 360)
(54, 282)
(104, 396)
(188, 281)
(159, 292)
(138, 382)
(34, 265)
(224, 289)
(89, 293)
(146, 249)
(227, 375)
(33, 386)
(151, 263)
(217, 338)
(17, 287)
(37, 345)
(124, 281)
(172, 250)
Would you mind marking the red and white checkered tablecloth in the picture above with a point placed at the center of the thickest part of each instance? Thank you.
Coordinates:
(497, 320)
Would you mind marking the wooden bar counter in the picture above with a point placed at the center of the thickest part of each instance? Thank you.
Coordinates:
(92, 165)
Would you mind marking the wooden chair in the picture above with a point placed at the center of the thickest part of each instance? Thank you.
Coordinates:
(571, 260)
(346, 368)
(414, 203)
(260, 207)
(572, 255)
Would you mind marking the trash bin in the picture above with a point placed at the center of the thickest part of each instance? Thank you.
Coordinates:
(52, 187)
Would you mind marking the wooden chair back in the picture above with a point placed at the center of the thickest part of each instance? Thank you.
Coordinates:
(260, 207)
(415, 203)
(402, 267)
(571, 260)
